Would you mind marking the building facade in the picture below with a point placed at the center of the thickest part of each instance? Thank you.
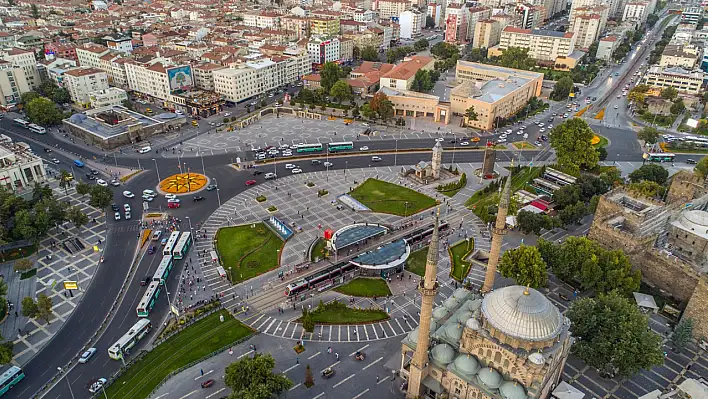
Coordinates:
(82, 81)
(322, 50)
(487, 33)
(689, 82)
(543, 45)
(110, 97)
(19, 167)
(411, 23)
(402, 75)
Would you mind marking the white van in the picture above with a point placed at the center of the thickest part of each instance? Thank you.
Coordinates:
(150, 193)
(269, 176)
(144, 150)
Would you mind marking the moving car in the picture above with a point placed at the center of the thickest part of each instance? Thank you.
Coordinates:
(55, 161)
(297, 170)
(102, 183)
(439, 139)
(328, 373)
(151, 251)
(211, 187)
(128, 194)
(147, 198)
(691, 161)
(270, 176)
(250, 182)
(316, 162)
(328, 164)
(173, 205)
(364, 148)
(86, 356)
(144, 150)
(290, 166)
(375, 159)
(96, 386)
(207, 383)
(465, 143)
(170, 196)
(115, 183)
(197, 198)
(116, 215)
(255, 173)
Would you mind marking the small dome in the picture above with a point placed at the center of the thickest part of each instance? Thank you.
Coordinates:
(490, 378)
(474, 304)
(460, 293)
(451, 303)
(77, 118)
(440, 313)
(512, 390)
(467, 365)
(443, 354)
(413, 336)
(463, 316)
(537, 358)
(473, 324)
(453, 331)
(522, 313)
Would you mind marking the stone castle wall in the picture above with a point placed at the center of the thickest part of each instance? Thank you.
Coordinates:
(697, 309)
(685, 186)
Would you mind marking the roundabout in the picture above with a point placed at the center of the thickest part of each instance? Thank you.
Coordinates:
(183, 183)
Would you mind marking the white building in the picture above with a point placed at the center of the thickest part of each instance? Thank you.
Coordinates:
(366, 16)
(543, 45)
(19, 167)
(149, 79)
(323, 50)
(636, 11)
(110, 97)
(24, 59)
(436, 11)
(411, 23)
(82, 81)
(121, 45)
(13, 82)
(689, 82)
(90, 55)
(692, 15)
(262, 19)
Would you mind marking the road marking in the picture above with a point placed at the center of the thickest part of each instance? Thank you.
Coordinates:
(361, 394)
(384, 379)
(295, 386)
(200, 376)
(330, 366)
(372, 363)
(245, 354)
(343, 381)
(188, 394)
(220, 390)
(285, 329)
(313, 355)
(293, 333)
(163, 395)
(286, 370)
(359, 350)
(319, 396)
(257, 320)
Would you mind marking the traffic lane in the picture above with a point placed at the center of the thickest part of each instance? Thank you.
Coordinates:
(84, 321)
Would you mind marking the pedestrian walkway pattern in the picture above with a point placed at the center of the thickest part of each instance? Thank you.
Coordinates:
(54, 266)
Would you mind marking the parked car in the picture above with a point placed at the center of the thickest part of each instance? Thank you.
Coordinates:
(116, 216)
(114, 207)
(691, 161)
(255, 173)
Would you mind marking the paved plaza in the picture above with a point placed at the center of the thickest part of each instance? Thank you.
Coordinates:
(54, 266)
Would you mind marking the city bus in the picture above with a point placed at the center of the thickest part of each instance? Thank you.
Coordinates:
(10, 378)
(170, 244)
(309, 148)
(343, 146)
(22, 122)
(148, 302)
(163, 270)
(126, 342)
(182, 247)
(37, 129)
(659, 157)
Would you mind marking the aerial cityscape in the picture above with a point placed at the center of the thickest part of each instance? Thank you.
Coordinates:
(315, 199)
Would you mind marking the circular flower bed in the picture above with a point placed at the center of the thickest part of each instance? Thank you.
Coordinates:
(595, 140)
(183, 183)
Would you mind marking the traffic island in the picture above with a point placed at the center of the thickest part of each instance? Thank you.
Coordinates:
(458, 259)
(339, 313)
(416, 261)
(248, 251)
(365, 287)
(183, 183)
(384, 197)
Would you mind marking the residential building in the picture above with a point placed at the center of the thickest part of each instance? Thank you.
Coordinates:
(109, 97)
(402, 75)
(90, 55)
(677, 56)
(24, 59)
(692, 15)
(587, 29)
(390, 8)
(149, 79)
(244, 81)
(527, 16)
(60, 50)
(323, 50)
(476, 14)
(13, 82)
(346, 49)
(53, 70)
(494, 92)
(324, 26)
(114, 65)
(636, 11)
(603, 11)
(680, 79)
(487, 33)
(299, 25)
(606, 47)
(411, 23)
(82, 81)
(262, 19)
(436, 11)
(19, 167)
(456, 19)
(204, 75)
(365, 15)
(543, 45)
(121, 45)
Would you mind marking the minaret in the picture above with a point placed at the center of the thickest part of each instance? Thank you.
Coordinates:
(436, 162)
(498, 233)
(428, 289)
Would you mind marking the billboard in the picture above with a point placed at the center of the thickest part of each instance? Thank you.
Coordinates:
(180, 77)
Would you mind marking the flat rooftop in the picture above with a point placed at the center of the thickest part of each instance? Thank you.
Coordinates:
(385, 256)
(354, 234)
(128, 120)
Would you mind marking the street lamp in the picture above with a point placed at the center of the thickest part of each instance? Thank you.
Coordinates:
(201, 155)
(190, 222)
(67, 382)
(157, 169)
(218, 197)
(454, 147)
(395, 154)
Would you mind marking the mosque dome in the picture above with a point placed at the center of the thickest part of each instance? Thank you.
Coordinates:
(474, 304)
(451, 303)
(512, 390)
(490, 378)
(463, 316)
(440, 313)
(467, 365)
(413, 336)
(460, 293)
(522, 313)
(695, 221)
(454, 331)
(473, 324)
(443, 354)
(537, 358)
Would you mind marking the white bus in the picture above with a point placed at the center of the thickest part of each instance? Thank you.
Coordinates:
(22, 122)
(170, 244)
(37, 129)
(148, 302)
(183, 245)
(163, 269)
(126, 342)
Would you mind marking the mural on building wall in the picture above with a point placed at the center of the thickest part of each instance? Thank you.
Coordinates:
(180, 77)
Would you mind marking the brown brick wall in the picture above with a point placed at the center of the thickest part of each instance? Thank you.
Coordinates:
(697, 309)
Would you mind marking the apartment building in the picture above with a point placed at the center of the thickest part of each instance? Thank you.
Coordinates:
(365, 15)
(262, 19)
(109, 97)
(487, 33)
(346, 49)
(456, 19)
(13, 82)
(390, 8)
(636, 11)
(543, 45)
(121, 45)
(676, 56)
(527, 16)
(436, 11)
(114, 65)
(402, 75)
(300, 26)
(692, 15)
(19, 167)
(680, 79)
(494, 92)
(60, 50)
(149, 78)
(606, 47)
(411, 23)
(324, 26)
(255, 77)
(90, 54)
(82, 81)
(476, 14)
(204, 75)
(587, 29)
(323, 49)
(24, 59)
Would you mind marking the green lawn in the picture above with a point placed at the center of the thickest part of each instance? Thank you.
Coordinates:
(248, 251)
(480, 200)
(368, 287)
(317, 250)
(603, 142)
(193, 343)
(384, 197)
(17, 253)
(28, 274)
(348, 316)
(461, 268)
(416, 261)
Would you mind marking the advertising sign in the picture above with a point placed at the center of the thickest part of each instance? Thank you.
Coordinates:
(180, 77)
(71, 285)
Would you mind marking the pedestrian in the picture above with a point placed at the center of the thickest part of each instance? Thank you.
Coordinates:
(201, 371)
(377, 379)
(337, 355)
(297, 360)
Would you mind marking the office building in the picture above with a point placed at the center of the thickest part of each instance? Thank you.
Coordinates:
(680, 79)
(19, 167)
(692, 15)
(258, 76)
(323, 50)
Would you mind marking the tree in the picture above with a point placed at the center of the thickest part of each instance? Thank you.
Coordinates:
(683, 333)
(444, 50)
(613, 336)
(254, 378)
(329, 75)
(382, 106)
(422, 81)
(651, 172)
(677, 107)
(22, 265)
(83, 188)
(35, 11)
(638, 93)
(471, 114)
(571, 140)
(61, 96)
(517, 58)
(601, 153)
(648, 134)
(566, 195)
(477, 54)
(530, 222)
(669, 93)
(29, 96)
(356, 52)
(44, 307)
(101, 196)
(42, 111)
(369, 53)
(29, 307)
(421, 45)
(572, 214)
(341, 91)
(647, 188)
(309, 380)
(77, 217)
(525, 265)
(367, 112)
(6, 353)
(562, 89)
(702, 167)
(652, 20)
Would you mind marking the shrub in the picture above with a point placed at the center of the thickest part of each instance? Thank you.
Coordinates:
(261, 198)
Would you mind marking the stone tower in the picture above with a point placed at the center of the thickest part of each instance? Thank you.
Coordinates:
(498, 233)
(436, 163)
(428, 289)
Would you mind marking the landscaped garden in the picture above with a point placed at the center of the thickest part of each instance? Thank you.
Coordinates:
(416, 261)
(191, 344)
(246, 251)
(482, 201)
(384, 197)
(339, 313)
(365, 287)
(458, 252)
(318, 250)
